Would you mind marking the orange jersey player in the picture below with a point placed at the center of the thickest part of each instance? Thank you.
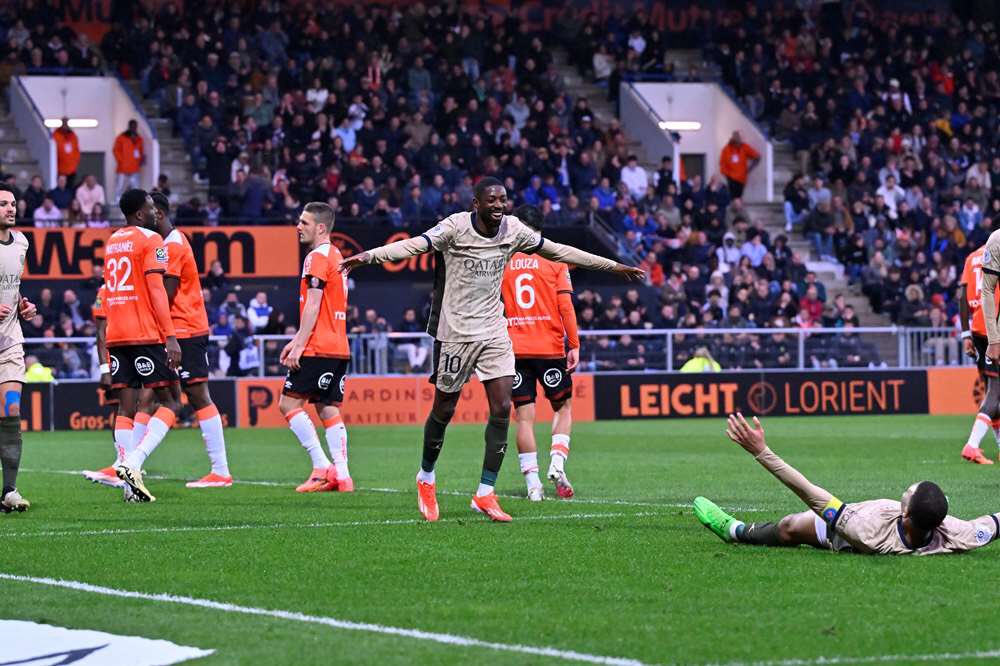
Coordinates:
(187, 311)
(141, 340)
(975, 343)
(318, 356)
(538, 302)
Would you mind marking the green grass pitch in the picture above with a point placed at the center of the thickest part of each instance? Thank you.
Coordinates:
(625, 572)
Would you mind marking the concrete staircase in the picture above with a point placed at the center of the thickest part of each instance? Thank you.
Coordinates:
(174, 160)
(15, 157)
(772, 214)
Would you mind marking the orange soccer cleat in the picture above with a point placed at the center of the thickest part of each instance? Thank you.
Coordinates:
(975, 455)
(320, 481)
(427, 500)
(211, 480)
(488, 504)
(105, 477)
(345, 485)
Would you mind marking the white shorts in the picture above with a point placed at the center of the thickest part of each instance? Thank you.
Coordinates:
(454, 362)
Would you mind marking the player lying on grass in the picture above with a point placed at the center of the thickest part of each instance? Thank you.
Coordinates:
(919, 524)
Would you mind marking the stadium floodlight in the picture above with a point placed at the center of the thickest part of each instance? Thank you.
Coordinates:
(77, 123)
(680, 125)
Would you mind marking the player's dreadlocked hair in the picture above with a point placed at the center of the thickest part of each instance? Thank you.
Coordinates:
(928, 506)
(161, 201)
(530, 215)
(483, 184)
(132, 201)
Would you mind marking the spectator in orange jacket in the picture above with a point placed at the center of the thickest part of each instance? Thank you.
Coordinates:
(736, 162)
(67, 152)
(130, 157)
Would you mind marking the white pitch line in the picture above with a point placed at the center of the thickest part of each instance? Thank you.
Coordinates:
(457, 493)
(309, 526)
(402, 632)
(875, 659)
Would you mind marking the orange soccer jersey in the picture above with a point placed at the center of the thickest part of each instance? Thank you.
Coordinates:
(188, 309)
(329, 337)
(972, 278)
(129, 255)
(535, 321)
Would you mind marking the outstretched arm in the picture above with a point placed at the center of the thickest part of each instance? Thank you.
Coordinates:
(751, 439)
(403, 249)
(567, 254)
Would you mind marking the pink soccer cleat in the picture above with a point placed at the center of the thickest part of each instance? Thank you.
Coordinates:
(975, 455)
(211, 480)
(488, 504)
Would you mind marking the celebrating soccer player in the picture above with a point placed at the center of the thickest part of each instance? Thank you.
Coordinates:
(468, 324)
(318, 356)
(538, 299)
(13, 250)
(919, 524)
(975, 343)
(142, 343)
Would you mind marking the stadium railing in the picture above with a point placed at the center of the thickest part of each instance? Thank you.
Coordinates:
(614, 350)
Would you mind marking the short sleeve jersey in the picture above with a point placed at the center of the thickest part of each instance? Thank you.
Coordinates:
(875, 527)
(531, 288)
(321, 269)
(129, 255)
(466, 304)
(188, 309)
(972, 278)
(12, 254)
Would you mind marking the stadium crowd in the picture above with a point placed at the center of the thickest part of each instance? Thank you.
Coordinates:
(392, 114)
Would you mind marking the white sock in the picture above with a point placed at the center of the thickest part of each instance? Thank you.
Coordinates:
(979, 427)
(138, 432)
(484, 490)
(303, 427)
(157, 430)
(425, 477)
(123, 439)
(210, 423)
(733, 526)
(559, 451)
(529, 467)
(336, 441)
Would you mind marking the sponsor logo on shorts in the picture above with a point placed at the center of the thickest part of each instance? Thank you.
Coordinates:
(343, 383)
(144, 366)
(325, 380)
(288, 384)
(552, 377)
(185, 374)
(114, 365)
(517, 380)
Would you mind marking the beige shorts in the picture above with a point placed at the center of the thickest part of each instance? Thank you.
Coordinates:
(454, 362)
(12, 364)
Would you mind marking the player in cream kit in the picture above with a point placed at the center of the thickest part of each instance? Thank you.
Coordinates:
(13, 250)
(467, 321)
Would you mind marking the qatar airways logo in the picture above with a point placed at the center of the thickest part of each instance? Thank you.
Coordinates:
(485, 267)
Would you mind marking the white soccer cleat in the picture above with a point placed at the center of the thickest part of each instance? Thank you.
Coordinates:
(105, 477)
(536, 494)
(129, 494)
(13, 501)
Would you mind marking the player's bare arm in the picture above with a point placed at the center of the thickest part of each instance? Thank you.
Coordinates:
(161, 310)
(172, 284)
(990, 314)
(291, 355)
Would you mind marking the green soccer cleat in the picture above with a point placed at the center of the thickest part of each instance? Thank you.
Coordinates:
(714, 518)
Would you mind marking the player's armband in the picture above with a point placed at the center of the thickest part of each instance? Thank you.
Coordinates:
(831, 512)
(313, 282)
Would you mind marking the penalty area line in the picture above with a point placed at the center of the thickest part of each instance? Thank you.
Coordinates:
(598, 501)
(401, 632)
(872, 659)
(300, 526)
